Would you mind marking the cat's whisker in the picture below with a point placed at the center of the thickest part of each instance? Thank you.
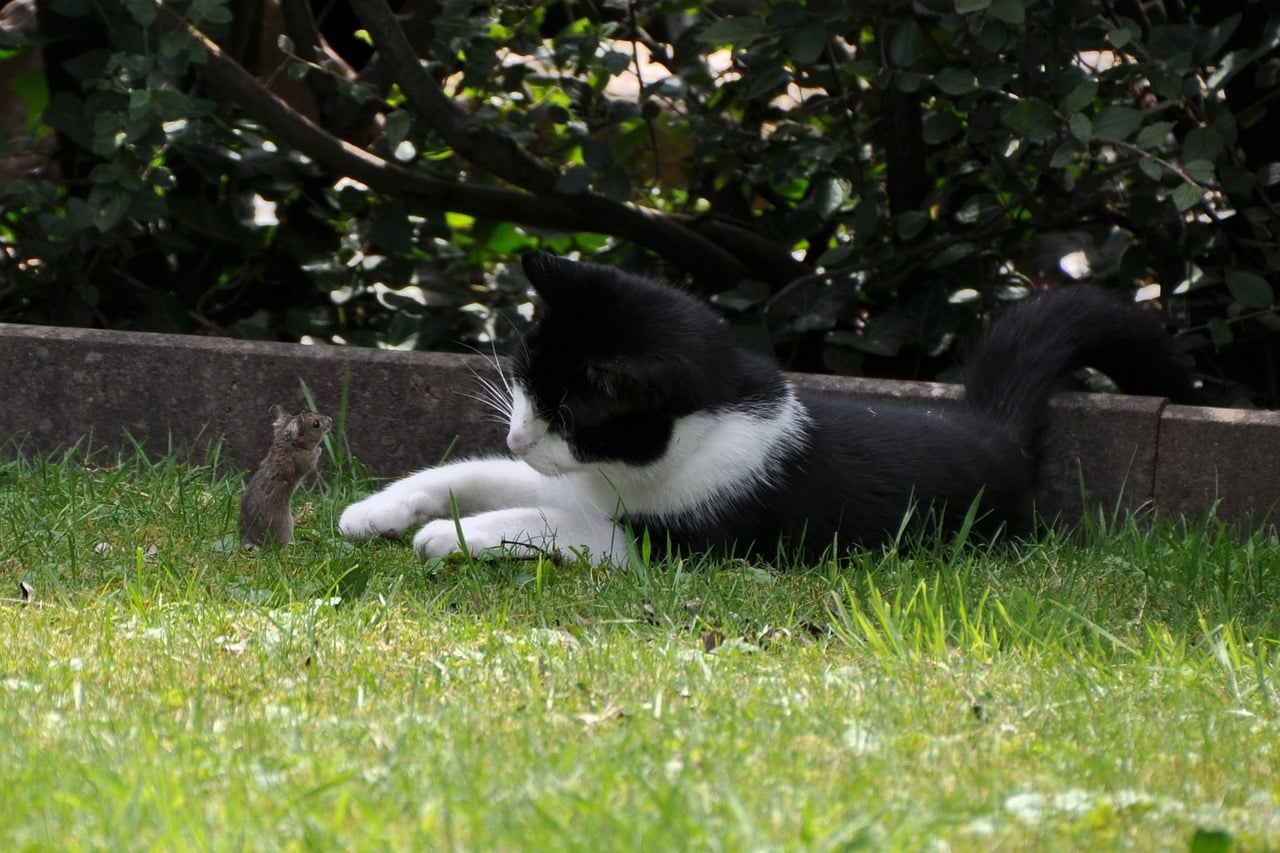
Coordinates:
(499, 408)
(492, 396)
(502, 376)
(565, 413)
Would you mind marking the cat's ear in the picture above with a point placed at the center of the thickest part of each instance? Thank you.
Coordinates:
(549, 274)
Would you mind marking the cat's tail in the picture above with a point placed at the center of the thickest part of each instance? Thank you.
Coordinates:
(1012, 373)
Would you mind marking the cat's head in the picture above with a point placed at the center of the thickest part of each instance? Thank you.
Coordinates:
(609, 365)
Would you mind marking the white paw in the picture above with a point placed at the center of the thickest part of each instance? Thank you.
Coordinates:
(485, 533)
(377, 515)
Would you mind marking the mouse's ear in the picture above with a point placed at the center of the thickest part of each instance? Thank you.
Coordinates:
(277, 412)
(292, 431)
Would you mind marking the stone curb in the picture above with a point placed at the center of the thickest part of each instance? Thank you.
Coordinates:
(408, 410)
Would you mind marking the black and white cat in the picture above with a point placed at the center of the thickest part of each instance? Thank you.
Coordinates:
(631, 408)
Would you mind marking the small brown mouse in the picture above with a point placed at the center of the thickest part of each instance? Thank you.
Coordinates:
(266, 513)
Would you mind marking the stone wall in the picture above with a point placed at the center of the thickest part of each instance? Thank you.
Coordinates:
(408, 410)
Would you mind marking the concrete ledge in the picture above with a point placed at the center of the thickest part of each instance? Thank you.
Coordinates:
(61, 386)
(405, 410)
(1230, 457)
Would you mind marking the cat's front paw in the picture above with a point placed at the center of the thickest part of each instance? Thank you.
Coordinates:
(439, 538)
(377, 515)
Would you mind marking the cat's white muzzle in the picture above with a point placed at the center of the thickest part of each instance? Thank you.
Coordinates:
(525, 429)
(529, 438)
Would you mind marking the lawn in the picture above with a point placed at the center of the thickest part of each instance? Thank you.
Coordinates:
(162, 688)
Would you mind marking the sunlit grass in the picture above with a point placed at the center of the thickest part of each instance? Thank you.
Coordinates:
(167, 689)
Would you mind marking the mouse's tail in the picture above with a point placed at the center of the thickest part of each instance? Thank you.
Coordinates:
(1013, 371)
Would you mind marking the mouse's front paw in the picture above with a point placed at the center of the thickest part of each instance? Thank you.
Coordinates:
(377, 515)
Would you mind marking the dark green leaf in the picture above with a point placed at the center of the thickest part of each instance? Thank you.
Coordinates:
(1202, 143)
(142, 11)
(866, 220)
(911, 224)
(162, 177)
(1216, 37)
(1080, 96)
(1221, 335)
(218, 15)
(1230, 65)
(995, 76)
(941, 126)
(174, 44)
(597, 155)
(1117, 122)
(1032, 118)
(949, 255)
(1080, 126)
(994, 37)
(1153, 134)
(615, 62)
(1151, 168)
(71, 8)
(965, 7)
(1235, 180)
(109, 208)
(391, 230)
(835, 256)
(616, 185)
(769, 81)
(907, 81)
(1187, 196)
(1201, 170)
(828, 196)
(906, 44)
(1010, 11)
(574, 180)
(1167, 83)
(736, 30)
(1250, 289)
(808, 43)
(955, 81)
(396, 127)
(1065, 153)
(1127, 31)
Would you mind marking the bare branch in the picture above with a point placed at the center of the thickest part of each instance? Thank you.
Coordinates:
(460, 130)
(674, 237)
(500, 154)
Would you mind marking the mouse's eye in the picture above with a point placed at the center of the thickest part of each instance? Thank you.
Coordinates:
(315, 424)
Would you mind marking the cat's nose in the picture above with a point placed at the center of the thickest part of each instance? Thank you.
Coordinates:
(520, 443)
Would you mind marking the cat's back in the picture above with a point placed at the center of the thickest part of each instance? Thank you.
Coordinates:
(865, 461)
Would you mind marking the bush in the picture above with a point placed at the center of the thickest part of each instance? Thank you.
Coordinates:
(856, 185)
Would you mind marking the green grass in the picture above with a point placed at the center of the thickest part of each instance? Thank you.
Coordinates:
(165, 689)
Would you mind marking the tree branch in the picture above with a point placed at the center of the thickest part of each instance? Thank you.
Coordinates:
(461, 131)
(715, 268)
(718, 267)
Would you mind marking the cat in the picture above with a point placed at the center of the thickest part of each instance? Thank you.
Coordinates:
(632, 410)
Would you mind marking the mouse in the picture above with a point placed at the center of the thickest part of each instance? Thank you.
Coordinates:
(266, 512)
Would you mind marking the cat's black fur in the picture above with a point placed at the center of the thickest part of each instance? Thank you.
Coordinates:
(614, 360)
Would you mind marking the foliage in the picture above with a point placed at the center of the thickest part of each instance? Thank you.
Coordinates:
(165, 688)
(857, 185)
